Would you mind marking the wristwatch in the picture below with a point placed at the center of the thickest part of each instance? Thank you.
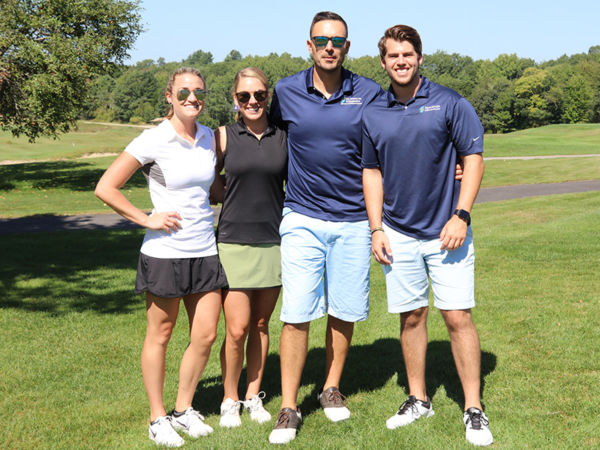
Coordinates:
(463, 215)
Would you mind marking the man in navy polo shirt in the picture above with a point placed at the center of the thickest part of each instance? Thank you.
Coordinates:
(412, 138)
(325, 238)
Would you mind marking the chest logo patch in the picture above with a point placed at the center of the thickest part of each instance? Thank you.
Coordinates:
(424, 109)
(351, 101)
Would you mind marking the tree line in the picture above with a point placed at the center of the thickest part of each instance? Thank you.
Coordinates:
(509, 93)
(63, 60)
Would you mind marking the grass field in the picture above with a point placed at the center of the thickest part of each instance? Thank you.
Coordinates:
(89, 138)
(72, 332)
(72, 329)
(66, 186)
(576, 139)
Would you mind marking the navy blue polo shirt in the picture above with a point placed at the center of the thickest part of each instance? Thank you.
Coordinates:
(416, 146)
(324, 144)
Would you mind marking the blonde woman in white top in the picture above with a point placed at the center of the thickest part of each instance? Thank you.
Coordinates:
(178, 258)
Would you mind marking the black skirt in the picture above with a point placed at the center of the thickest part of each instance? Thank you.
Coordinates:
(177, 277)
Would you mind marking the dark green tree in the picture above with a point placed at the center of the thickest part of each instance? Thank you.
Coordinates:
(198, 58)
(233, 55)
(49, 51)
(137, 94)
(511, 66)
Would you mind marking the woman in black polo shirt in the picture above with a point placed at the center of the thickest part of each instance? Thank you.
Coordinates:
(254, 155)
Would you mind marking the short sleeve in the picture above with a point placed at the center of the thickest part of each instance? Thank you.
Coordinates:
(275, 111)
(141, 148)
(466, 129)
(370, 158)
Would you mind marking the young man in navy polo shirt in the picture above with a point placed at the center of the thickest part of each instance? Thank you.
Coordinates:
(412, 138)
(325, 238)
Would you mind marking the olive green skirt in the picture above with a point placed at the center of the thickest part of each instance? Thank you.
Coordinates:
(251, 266)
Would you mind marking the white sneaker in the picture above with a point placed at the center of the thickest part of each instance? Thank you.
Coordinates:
(192, 422)
(230, 414)
(411, 410)
(477, 427)
(161, 431)
(288, 422)
(255, 407)
(334, 405)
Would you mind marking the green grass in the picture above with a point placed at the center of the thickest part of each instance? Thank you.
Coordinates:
(72, 331)
(61, 187)
(534, 171)
(66, 186)
(88, 138)
(576, 139)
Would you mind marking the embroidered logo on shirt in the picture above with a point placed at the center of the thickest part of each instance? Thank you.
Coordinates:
(351, 101)
(423, 109)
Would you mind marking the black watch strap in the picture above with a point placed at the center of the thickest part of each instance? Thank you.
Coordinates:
(463, 215)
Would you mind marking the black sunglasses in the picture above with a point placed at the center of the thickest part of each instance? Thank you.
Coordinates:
(244, 96)
(183, 94)
(336, 41)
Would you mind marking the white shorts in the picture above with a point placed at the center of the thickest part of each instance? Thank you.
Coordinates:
(416, 261)
(325, 268)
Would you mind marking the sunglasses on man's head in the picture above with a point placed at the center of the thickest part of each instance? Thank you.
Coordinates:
(244, 96)
(183, 94)
(336, 41)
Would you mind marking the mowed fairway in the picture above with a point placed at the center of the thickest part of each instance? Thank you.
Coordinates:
(72, 332)
(65, 186)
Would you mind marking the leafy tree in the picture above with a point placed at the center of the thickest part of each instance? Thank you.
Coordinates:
(99, 98)
(578, 99)
(198, 58)
(511, 66)
(136, 94)
(233, 55)
(485, 99)
(370, 67)
(49, 50)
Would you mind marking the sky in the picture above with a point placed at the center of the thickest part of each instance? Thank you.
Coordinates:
(481, 29)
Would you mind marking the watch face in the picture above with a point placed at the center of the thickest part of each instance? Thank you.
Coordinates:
(464, 215)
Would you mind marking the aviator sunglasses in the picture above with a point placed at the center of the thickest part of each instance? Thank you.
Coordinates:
(244, 96)
(183, 94)
(336, 41)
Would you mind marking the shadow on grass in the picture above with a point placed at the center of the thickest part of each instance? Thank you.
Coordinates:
(441, 372)
(75, 271)
(72, 175)
(368, 368)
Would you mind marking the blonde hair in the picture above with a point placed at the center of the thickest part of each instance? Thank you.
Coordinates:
(171, 81)
(249, 72)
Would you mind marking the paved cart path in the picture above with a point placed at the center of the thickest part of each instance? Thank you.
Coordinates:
(104, 221)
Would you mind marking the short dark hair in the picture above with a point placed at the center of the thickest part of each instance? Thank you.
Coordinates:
(401, 33)
(327, 15)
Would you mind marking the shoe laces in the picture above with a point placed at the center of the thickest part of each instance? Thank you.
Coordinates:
(335, 396)
(283, 418)
(192, 412)
(164, 423)
(477, 420)
(409, 404)
(161, 421)
(254, 403)
(232, 408)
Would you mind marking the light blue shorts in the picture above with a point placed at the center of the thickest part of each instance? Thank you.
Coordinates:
(324, 268)
(415, 261)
